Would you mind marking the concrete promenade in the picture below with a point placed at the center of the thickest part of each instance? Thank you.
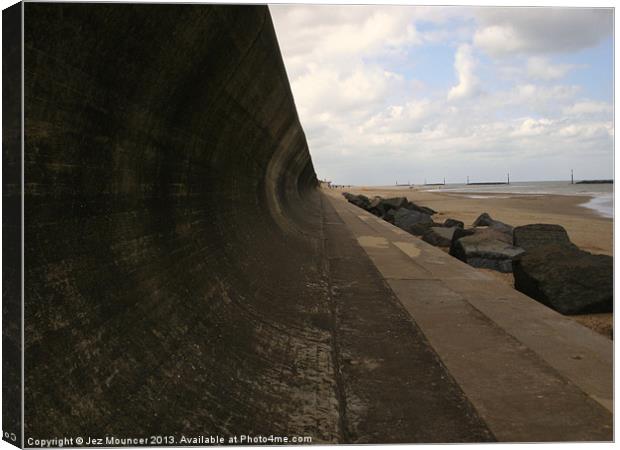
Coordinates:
(530, 373)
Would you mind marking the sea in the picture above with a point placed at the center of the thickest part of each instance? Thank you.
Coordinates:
(599, 197)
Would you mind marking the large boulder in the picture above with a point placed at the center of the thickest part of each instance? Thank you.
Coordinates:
(458, 234)
(423, 209)
(449, 223)
(481, 249)
(439, 236)
(375, 206)
(483, 233)
(414, 222)
(382, 206)
(485, 220)
(389, 216)
(421, 228)
(532, 236)
(360, 200)
(394, 202)
(565, 278)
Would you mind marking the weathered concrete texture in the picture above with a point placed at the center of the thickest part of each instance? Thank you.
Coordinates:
(394, 388)
(173, 241)
(530, 373)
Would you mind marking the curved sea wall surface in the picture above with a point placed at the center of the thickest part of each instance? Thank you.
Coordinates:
(185, 277)
(174, 279)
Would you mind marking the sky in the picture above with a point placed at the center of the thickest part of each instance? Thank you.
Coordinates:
(390, 94)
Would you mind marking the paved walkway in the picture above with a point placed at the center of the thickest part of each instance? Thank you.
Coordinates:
(530, 373)
(392, 387)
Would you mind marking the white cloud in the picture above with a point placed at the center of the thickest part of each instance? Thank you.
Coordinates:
(368, 120)
(588, 107)
(340, 34)
(330, 90)
(464, 63)
(507, 31)
(587, 130)
(410, 117)
(537, 95)
(541, 68)
(533, 127)
(499, 39)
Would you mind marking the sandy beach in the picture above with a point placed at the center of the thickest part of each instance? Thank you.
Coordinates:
(586, 228)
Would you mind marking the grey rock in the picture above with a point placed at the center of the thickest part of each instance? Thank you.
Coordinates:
(394, 202)
(536, 235)
(482, 232)
(360, 200)
(458, 234)
(412, 221)
(420, 229)
(423, 209)
(389, 216)
(453, 223)
(382, 206)
(376, 207)
(565, 278)
(485, 220)
(493, 233)
(439, 236)
(482, 250)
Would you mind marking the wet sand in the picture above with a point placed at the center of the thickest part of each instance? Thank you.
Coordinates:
(586, 228)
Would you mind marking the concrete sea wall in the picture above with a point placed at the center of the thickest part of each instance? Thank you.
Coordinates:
(173, 260)
(185, 277)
